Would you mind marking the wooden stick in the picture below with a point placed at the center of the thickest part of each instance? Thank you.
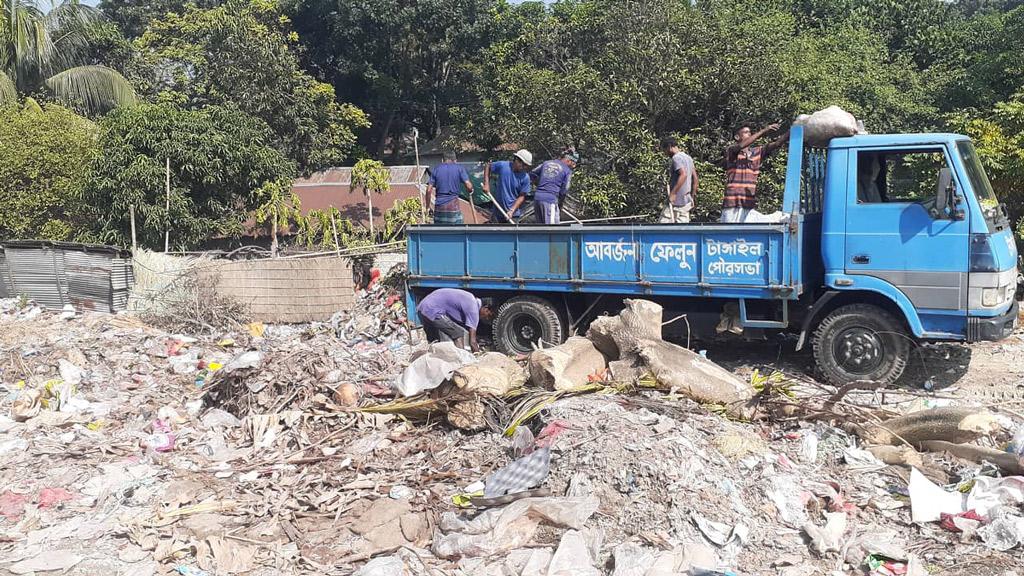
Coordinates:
(578, 221)
(508, 217)
(419, 185)
(131, 215)
(167, 207)
(472, 206)
(334, 228)
(611, 218)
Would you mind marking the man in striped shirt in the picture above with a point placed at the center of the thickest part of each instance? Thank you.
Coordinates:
(742, 167)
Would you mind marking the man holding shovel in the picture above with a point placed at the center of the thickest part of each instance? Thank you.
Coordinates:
(513, 186)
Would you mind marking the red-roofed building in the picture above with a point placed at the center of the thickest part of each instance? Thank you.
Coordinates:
(333, 187)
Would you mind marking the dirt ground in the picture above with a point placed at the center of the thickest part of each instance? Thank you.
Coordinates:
(267, 474)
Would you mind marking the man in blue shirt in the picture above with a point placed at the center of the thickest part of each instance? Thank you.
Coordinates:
(553, 179)
(445, 181)
(447, 314)
(513, 185)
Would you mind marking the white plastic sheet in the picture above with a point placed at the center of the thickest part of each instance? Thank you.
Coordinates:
(431, 367)
(499, 530)
(928, 502)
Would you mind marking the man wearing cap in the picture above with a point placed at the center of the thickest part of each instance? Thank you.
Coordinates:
(447, 313)
(513, 185)
(553, 178)
(445, 181)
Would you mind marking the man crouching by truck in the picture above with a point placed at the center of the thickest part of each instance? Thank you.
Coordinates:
(446, 314)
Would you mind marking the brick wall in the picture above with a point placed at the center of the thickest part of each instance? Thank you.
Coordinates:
(289, 290)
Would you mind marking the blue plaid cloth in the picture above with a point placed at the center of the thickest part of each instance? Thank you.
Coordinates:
(525, 473)
(454, 217)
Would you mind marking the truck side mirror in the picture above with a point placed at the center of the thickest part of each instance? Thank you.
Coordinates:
(943, 195)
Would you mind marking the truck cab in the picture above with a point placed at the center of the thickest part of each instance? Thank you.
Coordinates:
(911, 225)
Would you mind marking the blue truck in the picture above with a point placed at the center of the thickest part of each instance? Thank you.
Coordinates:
(888, 240)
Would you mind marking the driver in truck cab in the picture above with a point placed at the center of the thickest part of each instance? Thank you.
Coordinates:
(448, 313)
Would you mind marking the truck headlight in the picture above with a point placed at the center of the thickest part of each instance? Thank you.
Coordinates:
(992, 296)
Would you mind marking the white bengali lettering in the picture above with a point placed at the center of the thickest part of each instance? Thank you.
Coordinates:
(734, 248)
(684, 252)
(722, 268)
(617, 251)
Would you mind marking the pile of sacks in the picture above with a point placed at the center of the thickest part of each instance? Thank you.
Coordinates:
(629, 346)
(620, 349)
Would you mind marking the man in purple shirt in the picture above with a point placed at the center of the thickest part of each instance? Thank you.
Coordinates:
(448, 312)
(553, 178)
(445, 181)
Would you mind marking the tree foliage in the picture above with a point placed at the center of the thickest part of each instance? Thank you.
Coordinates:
(242, 54)
(611, 77)
(279, 208)
(220, 159)
(46, 153)
(405, 63)
(48, 52)
(998, 136)
(372, 177)
(133, 16)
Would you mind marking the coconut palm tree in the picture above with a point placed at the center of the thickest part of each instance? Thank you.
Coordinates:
(48, 51)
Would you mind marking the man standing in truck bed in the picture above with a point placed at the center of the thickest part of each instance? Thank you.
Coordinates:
(682, 183)
(513, 185)
(553, 178)
(742, 167)
(445, 181)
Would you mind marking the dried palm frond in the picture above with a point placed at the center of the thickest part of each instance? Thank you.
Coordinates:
(419, 407)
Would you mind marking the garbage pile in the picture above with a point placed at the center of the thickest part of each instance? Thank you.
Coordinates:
(347, 447)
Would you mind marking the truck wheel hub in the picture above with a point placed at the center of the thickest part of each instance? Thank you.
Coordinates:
(859, 350)
(526, 330)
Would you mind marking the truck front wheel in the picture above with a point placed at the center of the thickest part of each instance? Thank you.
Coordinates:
(861, 342)
(524, 321)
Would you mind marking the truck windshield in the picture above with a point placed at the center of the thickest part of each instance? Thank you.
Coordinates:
(981, 186)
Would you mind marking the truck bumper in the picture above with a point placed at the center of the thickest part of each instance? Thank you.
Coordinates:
(995, 328)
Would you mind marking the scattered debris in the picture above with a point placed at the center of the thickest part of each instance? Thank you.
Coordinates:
(294, 449)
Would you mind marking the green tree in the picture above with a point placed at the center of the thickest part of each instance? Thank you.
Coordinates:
(279, 208)
(45, 154)
(132, 16)
(374, 178)
(612, 77)
(220, 159)
(48, 52)
(242, 54)
(998, 136)
(403, 62)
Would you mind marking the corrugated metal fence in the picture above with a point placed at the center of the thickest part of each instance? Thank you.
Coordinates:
(101, 278)
(4, 276)
(53, 274)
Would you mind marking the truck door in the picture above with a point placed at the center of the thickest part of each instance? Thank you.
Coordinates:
(891, 233)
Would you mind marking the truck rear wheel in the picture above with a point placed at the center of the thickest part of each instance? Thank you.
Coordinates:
(523, 321)
(861, 342)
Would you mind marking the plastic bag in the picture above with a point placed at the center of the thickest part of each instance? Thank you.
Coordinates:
(824, 125)
(499, 530)
(431, 367)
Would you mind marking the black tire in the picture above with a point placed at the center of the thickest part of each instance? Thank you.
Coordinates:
(524, 320)
(861, 342)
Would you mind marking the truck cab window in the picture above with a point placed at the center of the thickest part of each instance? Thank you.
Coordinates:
(898, 175)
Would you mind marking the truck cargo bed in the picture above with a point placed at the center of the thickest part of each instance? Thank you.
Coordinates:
(759, 261)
